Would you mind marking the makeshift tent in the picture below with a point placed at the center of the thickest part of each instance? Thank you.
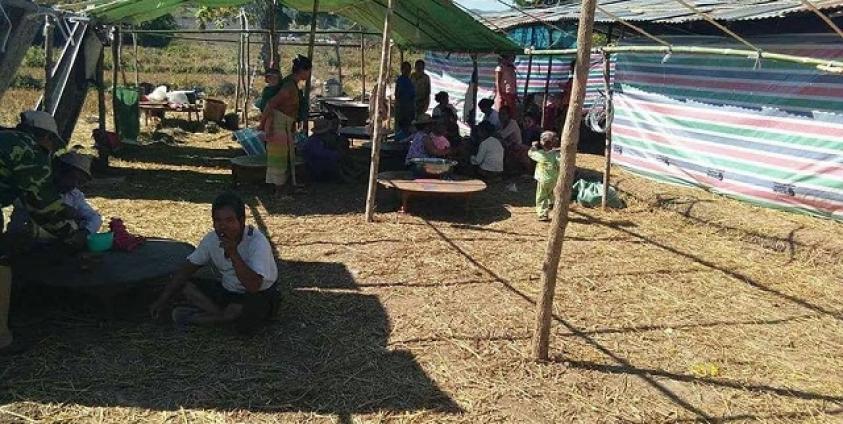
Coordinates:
(762, 131)
(424, 25)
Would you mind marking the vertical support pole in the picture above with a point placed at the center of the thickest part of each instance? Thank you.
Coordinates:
(401, 53)
(475, 80)
(115, 64)
(101, 91)
(48, 63)
(120, 58)
(377, 135)
(239, 67)
(607, 85)
(363, 64)
(247, 64)
(527, 80)
(137, 70)
(311, 41)
(273, 33)
(339, 64)
(562, 191)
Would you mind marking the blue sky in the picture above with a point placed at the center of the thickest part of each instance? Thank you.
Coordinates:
(482, 4)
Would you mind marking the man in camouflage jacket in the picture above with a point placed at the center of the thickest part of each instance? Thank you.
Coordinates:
(25, 173)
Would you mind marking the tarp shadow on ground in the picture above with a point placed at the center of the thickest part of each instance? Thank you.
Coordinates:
(325, 352)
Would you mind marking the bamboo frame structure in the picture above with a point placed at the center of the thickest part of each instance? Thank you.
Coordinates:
(607, 85)
(309, 83)
(562, 190)
(48, 61)
(377, 135)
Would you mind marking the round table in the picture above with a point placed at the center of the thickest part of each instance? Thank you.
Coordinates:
(153, 260)
(408, 187)
(104, 275)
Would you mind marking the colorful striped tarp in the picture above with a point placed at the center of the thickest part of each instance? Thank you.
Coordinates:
(452, 73)
(771, 135)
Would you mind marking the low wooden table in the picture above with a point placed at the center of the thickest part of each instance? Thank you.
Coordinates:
(159, 109)
(104, 275)
(407, 187)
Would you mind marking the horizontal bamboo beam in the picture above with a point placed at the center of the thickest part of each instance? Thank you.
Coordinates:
(241, 31)
(825, 65)
(296, 43)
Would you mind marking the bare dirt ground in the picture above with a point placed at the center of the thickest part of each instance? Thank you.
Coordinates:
(682, 307)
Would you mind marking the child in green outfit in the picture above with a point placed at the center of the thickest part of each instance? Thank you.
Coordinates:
(545, 153)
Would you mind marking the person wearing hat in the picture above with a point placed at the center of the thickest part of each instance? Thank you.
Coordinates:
(25, 173)
(70, 171)
(272, 77)
(321, 162)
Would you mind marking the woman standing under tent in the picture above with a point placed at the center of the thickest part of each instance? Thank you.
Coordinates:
(280, 118)
(506, 84)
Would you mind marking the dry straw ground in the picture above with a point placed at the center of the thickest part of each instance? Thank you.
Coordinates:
(683, 307)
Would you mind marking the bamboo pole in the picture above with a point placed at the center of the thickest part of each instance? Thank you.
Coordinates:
(813, 8)
(247, 64)
(831, 66)
(547, 84)
(273, 34)
(607, 85)
(475, 79)
(339, 65)
(120, 58)
(103, 152)
(137, 70)
(562, 191)
(115, 63)
(239, 68)
(309, 83)
(363, 64)
(48, 63)
(527, 80)
(241, 31)
(378, 129)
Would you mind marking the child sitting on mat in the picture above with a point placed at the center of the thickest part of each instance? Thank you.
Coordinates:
(545, 153)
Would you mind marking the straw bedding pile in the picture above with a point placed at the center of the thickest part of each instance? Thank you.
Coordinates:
(682, 307)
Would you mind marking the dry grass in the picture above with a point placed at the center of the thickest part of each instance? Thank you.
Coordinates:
(683, 307)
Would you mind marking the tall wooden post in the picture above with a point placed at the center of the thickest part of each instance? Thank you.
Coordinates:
(247, 65)
(607, 85)
(115, 64)
(562, 191)
(363, 64)
(137, 70)
(475, 80)
(273, 33)
(101, 91)
(527, 80)
(239, 66)
(339, 64)
(547, 83)
(311, 42)
(48, 63)
(377, 135)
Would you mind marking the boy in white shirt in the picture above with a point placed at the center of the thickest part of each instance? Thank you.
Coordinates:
(242, 258)
(489, 157)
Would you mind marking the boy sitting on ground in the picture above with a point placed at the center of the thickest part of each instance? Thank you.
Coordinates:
(490, 153)
(545, 153)
(243, 259)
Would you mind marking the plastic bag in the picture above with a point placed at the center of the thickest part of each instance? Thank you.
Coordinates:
(590, 194)
(158, 95)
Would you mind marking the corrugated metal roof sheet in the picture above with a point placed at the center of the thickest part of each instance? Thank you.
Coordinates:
(661, 11)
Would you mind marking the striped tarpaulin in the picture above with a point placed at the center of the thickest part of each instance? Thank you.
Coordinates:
(452, 73)
(769, 133)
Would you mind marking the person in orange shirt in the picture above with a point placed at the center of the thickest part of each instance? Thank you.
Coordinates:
(506, 84)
